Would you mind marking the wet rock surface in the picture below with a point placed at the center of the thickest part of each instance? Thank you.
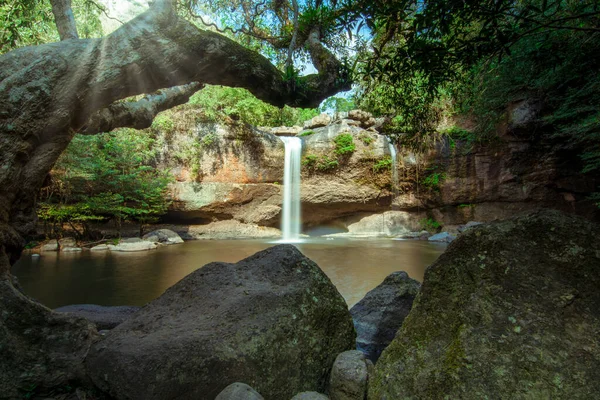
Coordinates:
(102, 316)
(379, 315)
(273, 321)
(510, 310)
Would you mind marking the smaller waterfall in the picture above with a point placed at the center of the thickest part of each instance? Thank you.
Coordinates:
(290, 221)
(394, 156)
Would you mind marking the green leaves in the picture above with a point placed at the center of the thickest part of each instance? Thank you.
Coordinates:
(344, 144)
(108, 176)
(25, 23)
(220, 102)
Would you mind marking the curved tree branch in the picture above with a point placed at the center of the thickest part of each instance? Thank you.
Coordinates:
(138, 114)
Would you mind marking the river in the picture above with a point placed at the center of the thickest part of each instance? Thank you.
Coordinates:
(354, 266)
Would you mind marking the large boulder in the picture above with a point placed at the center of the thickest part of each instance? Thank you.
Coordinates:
(317, 122)
(50, 245)
(230, 229)
(164, 236)
(274, 321)
(379, 315)
(443, 237)
(39, 349)
(386, 224)
(133, 245)
(510, 310)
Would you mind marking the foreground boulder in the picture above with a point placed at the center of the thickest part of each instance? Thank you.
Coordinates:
(379, 315)
(102, 316)
(39, 349)
(510, 310)
(273, 321)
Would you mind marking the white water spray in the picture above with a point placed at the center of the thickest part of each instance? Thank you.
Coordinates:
(290, 222)
(394, 157)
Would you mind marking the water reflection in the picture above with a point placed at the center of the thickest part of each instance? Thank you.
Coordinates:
(354, 266)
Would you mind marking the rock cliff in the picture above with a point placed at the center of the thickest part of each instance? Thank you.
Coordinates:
(233, 172)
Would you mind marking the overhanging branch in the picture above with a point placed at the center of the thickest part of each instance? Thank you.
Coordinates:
(138, 114)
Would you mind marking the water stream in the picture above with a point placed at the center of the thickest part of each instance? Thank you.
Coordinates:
(290, 221)
(394, 157)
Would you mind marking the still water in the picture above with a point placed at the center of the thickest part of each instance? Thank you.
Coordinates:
(354, 266)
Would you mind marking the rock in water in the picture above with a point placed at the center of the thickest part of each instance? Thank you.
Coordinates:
(379, 315)
(510, 310)
(165, 236)
(274, 321)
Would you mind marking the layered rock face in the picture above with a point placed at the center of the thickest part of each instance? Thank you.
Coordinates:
(238, 171)
(273, 321)
(510, 310)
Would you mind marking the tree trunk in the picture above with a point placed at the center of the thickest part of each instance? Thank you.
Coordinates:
(64, 19)
(49, 92)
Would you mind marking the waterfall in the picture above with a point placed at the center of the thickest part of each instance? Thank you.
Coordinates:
(394, 171)
(290, 222)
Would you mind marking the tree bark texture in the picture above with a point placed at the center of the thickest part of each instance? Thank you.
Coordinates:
(138, 114)
(50, 92)
(64, 19)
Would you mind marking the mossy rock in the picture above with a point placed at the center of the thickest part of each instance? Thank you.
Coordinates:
(510, 310)
(273, 321)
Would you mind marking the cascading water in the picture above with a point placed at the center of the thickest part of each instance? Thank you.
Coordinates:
(290, 222)
(394, 170)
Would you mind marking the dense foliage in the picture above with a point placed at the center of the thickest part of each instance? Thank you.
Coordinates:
(431, 61)
(106, 177)
(218, 102)
(26, 23)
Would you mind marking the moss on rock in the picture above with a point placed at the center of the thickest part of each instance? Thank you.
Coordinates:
(510, 310)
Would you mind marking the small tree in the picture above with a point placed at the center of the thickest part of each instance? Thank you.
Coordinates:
(108, 176)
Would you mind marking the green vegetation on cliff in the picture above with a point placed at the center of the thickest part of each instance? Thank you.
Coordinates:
(482, 59)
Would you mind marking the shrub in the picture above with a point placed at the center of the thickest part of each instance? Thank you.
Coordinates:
(366, 138)
(163, 123)
(310, 160)
(324, 163)
(434, 180)
(209, 139)
(383, 164)
(430, 225)
(327, 164)
(344, 144)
